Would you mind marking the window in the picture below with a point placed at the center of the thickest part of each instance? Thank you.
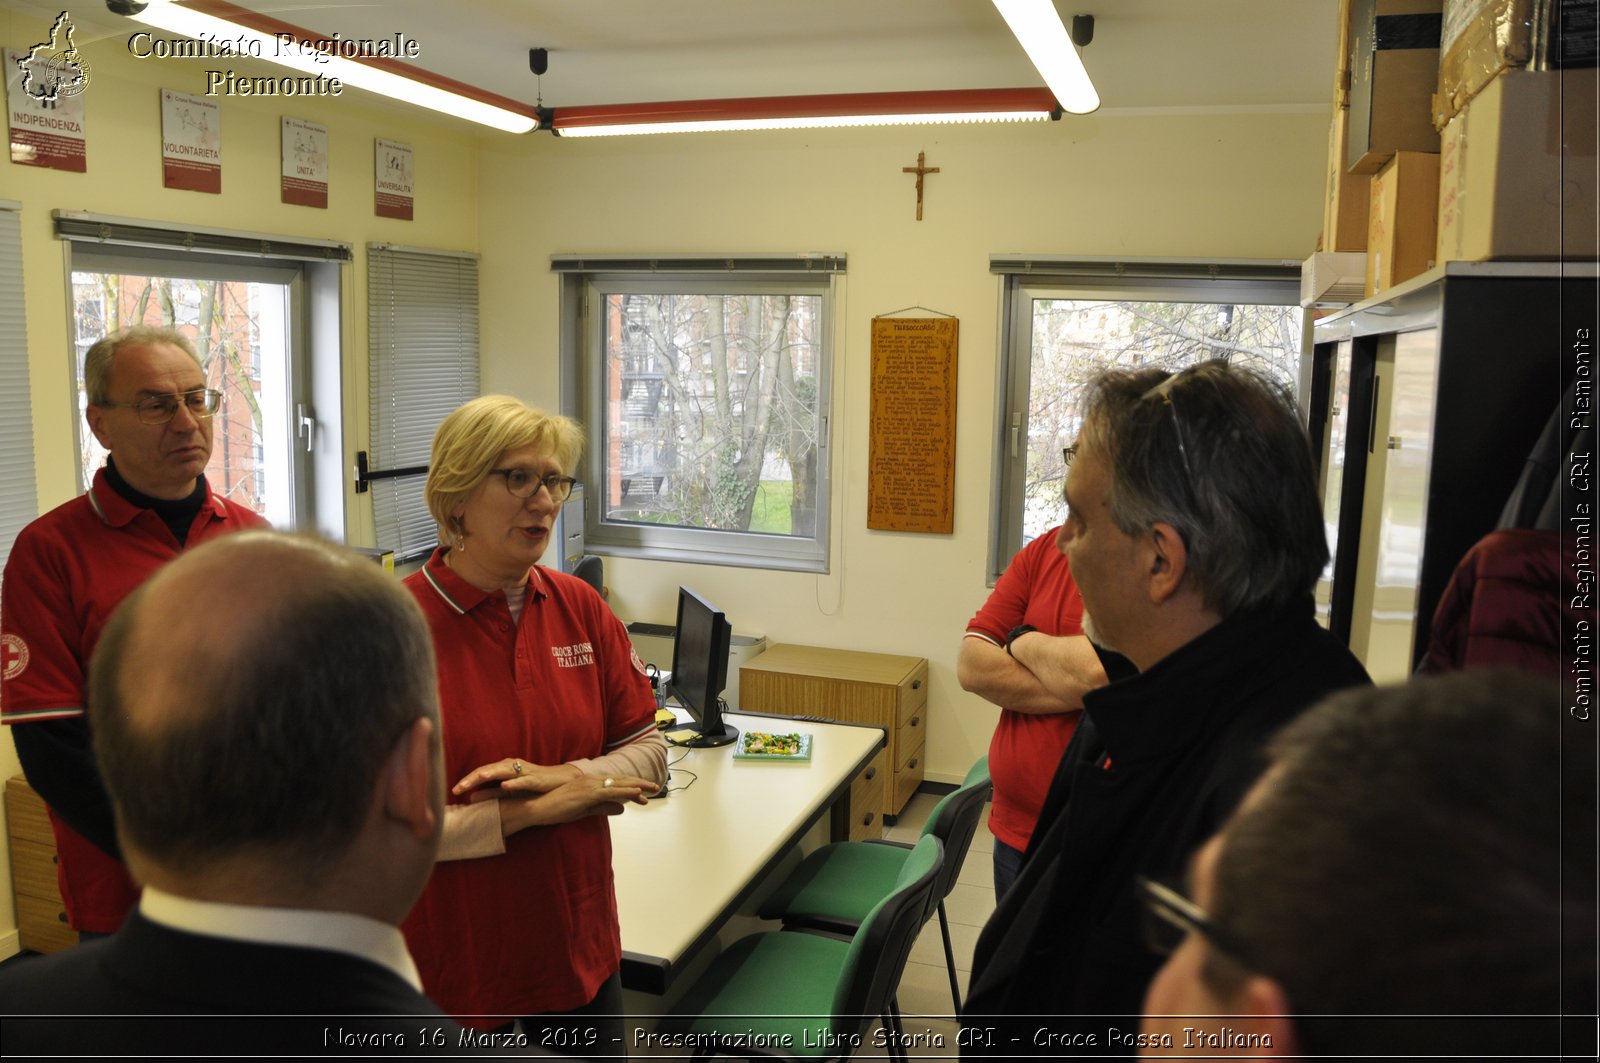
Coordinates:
(239, 326)
(251, 310)
(706, 399)
(1067, 320)
(19, 503)
(422, 333)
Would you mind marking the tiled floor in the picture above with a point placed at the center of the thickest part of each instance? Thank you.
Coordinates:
(925, 1002)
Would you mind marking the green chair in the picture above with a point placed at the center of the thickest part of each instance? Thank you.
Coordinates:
(808, 995)
(835, 886)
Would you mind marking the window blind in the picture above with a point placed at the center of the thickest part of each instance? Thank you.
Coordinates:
(19, 502)
(422, 328)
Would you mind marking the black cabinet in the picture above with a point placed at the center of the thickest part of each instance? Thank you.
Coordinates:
(1424, 405)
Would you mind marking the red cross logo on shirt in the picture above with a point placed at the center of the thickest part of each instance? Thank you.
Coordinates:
(13, 656)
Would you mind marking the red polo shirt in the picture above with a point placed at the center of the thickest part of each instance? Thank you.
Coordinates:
(1036, 589)
(67, 573)
(534, 929)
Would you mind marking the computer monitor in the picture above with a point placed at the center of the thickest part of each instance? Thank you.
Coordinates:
(700, 667)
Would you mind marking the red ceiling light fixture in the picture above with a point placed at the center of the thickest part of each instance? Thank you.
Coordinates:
(805, 112)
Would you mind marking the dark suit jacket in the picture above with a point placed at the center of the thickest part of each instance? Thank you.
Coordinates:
(1157, 765)
(154, 990)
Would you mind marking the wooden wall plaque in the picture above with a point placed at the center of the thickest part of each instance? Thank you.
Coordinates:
(911, 472)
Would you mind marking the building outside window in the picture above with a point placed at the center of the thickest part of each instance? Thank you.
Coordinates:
(236, 327)
(263, 316)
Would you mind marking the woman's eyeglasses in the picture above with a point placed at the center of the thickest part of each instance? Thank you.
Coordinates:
(522, 483)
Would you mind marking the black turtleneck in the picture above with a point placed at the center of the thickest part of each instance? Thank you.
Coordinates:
(177, 513)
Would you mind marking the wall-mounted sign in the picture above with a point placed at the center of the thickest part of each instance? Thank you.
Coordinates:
(394, 168)
(44, 103)
(191, 142)
(305, 163)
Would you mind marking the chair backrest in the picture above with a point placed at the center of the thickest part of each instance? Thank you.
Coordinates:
(592, 570)
(882, 943)
(954, 821)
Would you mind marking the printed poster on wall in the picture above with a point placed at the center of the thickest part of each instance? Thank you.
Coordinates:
(191, 142)
(305, 163)
(393, 168)
(44, 99)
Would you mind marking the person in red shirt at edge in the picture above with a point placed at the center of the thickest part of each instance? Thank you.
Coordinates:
(1025, 651)
(549, 727)
(148, 404)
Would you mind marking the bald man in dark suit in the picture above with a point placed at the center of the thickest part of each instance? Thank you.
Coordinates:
(265, 715)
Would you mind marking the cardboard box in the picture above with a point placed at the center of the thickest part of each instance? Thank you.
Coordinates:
(1332, 278)
(1481, 40)
(1402, 226)
(1345, 196)
(1341, 59)
(1517, 177)
(1394, 74)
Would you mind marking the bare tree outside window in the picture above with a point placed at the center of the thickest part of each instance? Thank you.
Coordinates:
(1074, 339)
(711, 411)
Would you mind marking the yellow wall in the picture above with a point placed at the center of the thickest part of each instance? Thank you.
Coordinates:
(1237, 186)
(123, 122)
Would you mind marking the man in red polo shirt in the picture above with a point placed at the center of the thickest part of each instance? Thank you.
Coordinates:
(150, 407)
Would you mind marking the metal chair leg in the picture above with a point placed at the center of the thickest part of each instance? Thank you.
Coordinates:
(897, 1031)
(950, 960)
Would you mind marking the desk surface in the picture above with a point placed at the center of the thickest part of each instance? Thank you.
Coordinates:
(685, 863)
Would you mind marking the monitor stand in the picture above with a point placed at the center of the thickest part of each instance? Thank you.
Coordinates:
(728, 735)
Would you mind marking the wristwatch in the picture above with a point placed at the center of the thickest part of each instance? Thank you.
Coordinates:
(1016, 633)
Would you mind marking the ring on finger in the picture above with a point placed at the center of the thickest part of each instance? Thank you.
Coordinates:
(609, 783)
(516, 767)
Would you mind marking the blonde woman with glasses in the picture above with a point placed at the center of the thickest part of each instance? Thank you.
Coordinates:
(549, 728)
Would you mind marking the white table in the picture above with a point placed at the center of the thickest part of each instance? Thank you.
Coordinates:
(686, 863)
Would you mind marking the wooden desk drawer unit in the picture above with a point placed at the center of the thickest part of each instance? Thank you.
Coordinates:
(877, 688)
(866, 799)
(41, 917)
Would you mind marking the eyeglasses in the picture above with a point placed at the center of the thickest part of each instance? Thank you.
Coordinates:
(522, 483)
(1163, 391)
(1169, 917)
(201, 403)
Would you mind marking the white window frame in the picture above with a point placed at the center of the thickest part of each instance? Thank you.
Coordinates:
(312, 268)
(586, 281)
(1027, 278)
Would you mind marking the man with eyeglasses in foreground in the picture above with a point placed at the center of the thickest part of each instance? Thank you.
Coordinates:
(1195, 534)
(1394, 886)
(148, 404)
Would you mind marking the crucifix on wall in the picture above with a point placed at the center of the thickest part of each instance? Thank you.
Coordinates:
(920, 169)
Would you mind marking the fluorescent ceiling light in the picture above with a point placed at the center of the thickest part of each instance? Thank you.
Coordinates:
(807, 112)
(215, 20)
(1039, 30)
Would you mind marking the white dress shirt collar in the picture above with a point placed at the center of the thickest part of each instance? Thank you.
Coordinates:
(346, 932)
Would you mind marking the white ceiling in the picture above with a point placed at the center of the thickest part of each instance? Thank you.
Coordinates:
(1163, 54)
